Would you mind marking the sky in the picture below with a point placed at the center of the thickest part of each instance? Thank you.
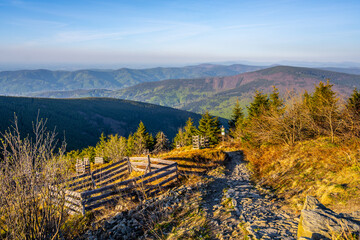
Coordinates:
(163, 33)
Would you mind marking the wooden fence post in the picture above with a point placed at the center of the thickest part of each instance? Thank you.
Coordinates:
(83, 206)
(149, 164)
(129, 165)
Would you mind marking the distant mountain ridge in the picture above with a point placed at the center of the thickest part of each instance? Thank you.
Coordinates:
(218, 94)
(23, 82)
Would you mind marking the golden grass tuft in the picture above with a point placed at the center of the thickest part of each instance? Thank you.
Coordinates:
(330, 172)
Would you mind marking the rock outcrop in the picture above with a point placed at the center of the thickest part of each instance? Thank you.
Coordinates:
(318, 222)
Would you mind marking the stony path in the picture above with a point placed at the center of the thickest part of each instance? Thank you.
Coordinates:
(234, 205)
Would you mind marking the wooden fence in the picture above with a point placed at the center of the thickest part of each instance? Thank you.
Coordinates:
(103, 186)
(82, 166)
(200, 142)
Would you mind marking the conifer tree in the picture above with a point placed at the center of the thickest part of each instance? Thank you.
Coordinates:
(276, 103)
(162, 142)
(353, 103)
(140, 138)
(236, 115)
(100, 146)
(150, 143)
(259, 105)
(189, 131)
(209, 126)
(351, 114)
(130, 145)
(324, 109)
(180, 138)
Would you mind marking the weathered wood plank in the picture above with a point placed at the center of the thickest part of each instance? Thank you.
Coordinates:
(88, 201)
(162, 183)
(158, 170)
(67, 192)
(109, 166)
(158, 176)
(67, 198)
(117, 171)
(162, 161)
(88, 184)
(91, 192)
(80, 182)
(145, 164)
(74, 207)
(113, 179)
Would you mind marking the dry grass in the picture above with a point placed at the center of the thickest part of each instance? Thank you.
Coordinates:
(330, 172)
(196, 160)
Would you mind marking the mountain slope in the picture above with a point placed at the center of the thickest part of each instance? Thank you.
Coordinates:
(218, 94)
(343, 70)
(28, 81)
(83, 120)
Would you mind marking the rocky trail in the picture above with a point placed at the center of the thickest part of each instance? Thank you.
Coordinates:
(234, 205)
(229, 205)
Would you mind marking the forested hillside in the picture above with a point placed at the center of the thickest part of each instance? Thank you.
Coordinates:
(83, 120)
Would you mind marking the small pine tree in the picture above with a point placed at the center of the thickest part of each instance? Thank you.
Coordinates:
(180, 138)
(130, 148)
(236, 115)
(259, 105)
(324, 109)
(209, 126)
(276, 103)
(353, 103)
(150, 142)
(142, 139)
(162, 142)
(189, 131)
(100, 146)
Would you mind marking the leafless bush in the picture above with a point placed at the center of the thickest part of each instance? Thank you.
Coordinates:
(29, 167)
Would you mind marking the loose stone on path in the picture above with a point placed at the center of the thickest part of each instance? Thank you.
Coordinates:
(254, 211)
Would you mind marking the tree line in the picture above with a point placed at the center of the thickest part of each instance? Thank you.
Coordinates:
(296, 117)
(112, 147)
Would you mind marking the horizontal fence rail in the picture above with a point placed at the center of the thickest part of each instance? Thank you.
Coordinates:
(103, 186)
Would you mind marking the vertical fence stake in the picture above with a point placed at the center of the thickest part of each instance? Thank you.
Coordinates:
(149, 163)
(83, 206)
(129, 165)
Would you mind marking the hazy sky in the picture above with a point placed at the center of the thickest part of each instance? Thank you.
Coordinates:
(177, 32)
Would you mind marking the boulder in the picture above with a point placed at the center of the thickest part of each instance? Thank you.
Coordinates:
(318, 222)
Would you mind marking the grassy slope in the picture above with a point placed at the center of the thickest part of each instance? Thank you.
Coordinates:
(83, 120)
(331, 172)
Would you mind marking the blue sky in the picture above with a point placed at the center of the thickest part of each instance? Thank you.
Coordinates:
(178, 32)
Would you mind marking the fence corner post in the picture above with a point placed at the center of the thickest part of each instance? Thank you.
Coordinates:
(149, 163)
(129, 165)
(82, 205)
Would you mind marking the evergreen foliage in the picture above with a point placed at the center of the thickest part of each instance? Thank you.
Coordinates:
(353, 103)
(189, 131)
(260, 104)
(237, 115)
(142, 139)
(276, 103)
(162, 142)
(130, 145)
(209, 126)
(180, 138)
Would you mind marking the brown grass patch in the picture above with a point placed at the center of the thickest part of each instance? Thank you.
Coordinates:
(330, 172)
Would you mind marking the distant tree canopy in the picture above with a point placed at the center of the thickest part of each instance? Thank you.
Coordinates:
(272, 120)
(209, 126)
(237, 115)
